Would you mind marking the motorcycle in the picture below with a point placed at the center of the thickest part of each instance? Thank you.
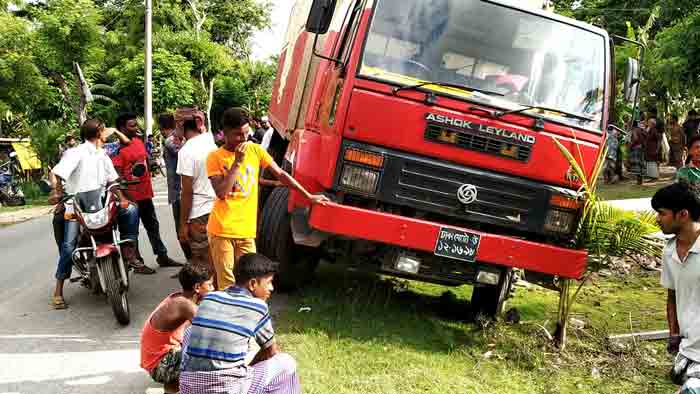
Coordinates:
(155, 164)
(10, 191)
(97, 257)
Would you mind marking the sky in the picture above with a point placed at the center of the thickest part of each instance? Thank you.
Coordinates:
(268, 42)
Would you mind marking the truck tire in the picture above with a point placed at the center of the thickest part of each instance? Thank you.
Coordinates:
(489, 300)
(116, 293)
(296, 263)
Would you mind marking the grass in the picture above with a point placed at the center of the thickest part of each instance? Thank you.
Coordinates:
(368, 334)
(629, 189)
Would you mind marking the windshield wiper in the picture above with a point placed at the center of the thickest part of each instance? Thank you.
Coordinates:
(565, 114)
(445, 84)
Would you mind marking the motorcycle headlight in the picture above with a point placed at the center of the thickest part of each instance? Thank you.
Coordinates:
(96, 220)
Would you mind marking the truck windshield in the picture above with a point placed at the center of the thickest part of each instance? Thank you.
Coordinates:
(529, 59)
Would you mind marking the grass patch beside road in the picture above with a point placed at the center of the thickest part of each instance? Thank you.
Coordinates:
(367, 334)
(629, 189)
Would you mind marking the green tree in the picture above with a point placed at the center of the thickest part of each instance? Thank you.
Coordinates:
(23, 89)
(46, 137)
(258, 77)
(230, 23)
(209, 60)
(677, 55)
(172, 84)
(68, 36)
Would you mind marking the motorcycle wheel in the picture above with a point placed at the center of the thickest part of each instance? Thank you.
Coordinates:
(95, 280)
(116, 293)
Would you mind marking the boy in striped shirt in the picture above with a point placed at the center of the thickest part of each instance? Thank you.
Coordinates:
(216, 345)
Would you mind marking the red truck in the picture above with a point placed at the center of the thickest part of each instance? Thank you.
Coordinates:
(431, 127)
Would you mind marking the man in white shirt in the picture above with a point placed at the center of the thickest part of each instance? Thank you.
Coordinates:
(197, 194)
(82, 169)
(678, 212)
(269, 131)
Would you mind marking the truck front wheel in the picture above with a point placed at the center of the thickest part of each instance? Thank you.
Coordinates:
(489, 300)
(296, 263)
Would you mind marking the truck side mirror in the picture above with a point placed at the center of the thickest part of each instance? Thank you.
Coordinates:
(631, 87)
(320, 16)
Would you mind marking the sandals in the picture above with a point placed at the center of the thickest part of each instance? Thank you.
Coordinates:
(58, 303)
(141, 268)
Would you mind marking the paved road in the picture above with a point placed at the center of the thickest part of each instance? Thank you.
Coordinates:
(82, 349)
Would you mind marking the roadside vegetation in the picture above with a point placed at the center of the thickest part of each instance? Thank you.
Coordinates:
(369, 334)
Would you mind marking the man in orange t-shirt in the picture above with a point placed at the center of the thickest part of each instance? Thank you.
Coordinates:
(162, 334)
(234, 170)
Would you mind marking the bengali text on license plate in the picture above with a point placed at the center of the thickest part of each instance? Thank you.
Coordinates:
(457, 244)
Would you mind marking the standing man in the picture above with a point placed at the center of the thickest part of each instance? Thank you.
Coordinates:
(678, 211)
(171, 147)
(691, 125)
(612, 155)
(234, 170)
(86, 168)
(677, 143)
(142, 192)
(652, 148)
(268, 132)
(197, 194)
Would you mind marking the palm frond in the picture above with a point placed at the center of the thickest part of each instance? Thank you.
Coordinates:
(104, 88)
(99, 97)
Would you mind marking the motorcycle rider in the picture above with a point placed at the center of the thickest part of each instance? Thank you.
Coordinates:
(82, 169)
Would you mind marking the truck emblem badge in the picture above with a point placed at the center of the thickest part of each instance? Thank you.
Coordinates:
(466, 194)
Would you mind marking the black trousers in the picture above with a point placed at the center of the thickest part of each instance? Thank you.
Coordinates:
(58, 228)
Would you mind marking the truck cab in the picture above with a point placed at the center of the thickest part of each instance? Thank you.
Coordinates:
(431, 125)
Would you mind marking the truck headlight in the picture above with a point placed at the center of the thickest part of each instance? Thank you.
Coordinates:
(563, 211)
(559, 221)
(359, 179)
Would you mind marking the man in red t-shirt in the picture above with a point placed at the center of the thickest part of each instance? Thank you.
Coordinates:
(142, 192)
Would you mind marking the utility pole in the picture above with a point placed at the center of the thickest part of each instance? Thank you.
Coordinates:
(148, 77)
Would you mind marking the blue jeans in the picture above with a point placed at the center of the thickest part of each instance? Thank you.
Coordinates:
(128, 228)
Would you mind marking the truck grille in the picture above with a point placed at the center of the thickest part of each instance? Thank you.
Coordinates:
(428, 187)
(480, 143)
(499, 201)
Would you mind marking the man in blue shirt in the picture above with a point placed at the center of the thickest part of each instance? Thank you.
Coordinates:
(215, 347)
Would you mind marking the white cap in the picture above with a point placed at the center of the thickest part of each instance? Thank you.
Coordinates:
(265, 119)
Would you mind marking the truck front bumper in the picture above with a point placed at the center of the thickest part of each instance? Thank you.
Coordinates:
(422, 235)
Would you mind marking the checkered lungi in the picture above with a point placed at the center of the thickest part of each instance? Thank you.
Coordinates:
(275, 376)
(686, 372)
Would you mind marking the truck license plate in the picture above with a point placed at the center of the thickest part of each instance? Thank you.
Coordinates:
(457, 244)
